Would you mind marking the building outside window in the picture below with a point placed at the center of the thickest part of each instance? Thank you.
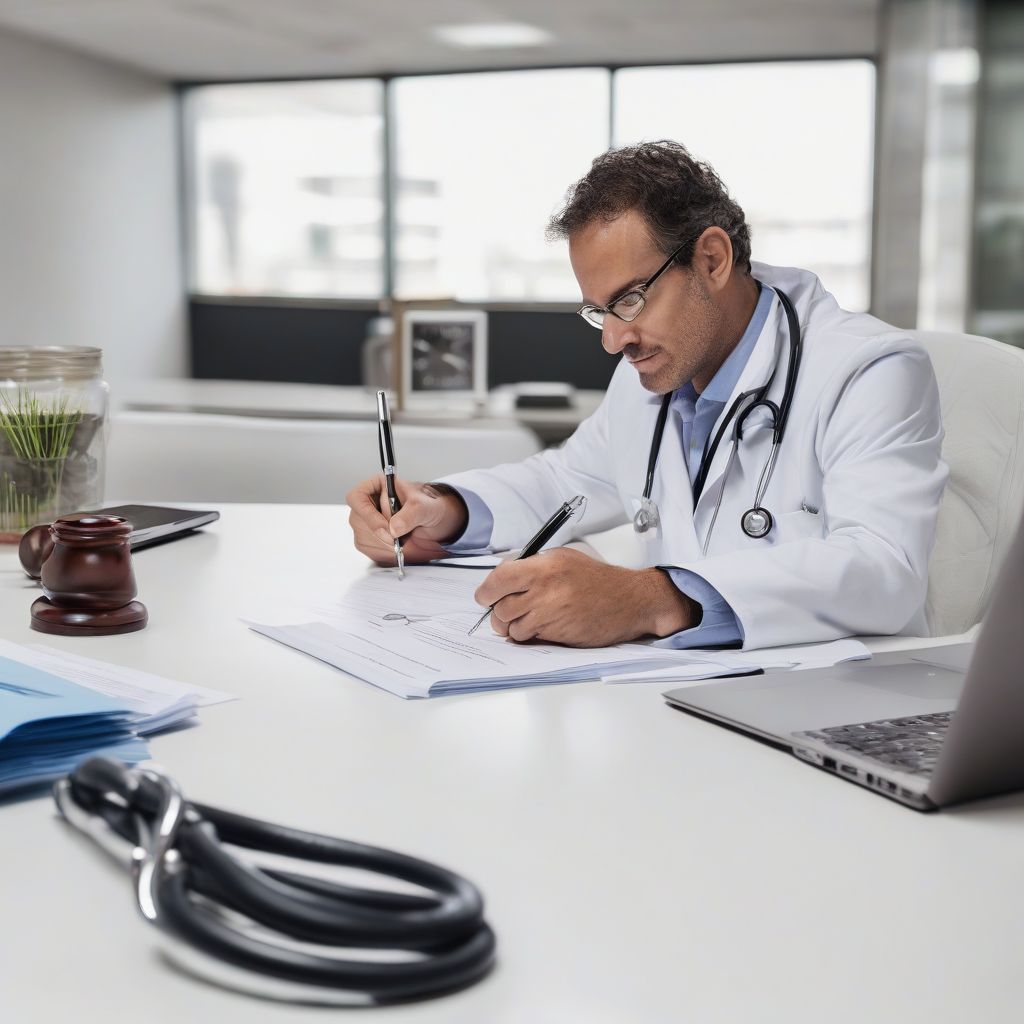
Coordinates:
(793, 143)
(286, 182)
(482, 161)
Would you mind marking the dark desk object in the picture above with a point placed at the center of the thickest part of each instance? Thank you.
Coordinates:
(150, 524)
(156, 524)
(35, 548)
(543, 395)
(88, 579)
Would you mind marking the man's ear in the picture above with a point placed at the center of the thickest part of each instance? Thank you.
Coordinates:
(713, 258)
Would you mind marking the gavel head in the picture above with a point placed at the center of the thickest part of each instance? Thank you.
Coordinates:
(90, 565)
(88, 579)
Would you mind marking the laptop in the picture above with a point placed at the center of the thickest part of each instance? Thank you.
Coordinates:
(928, 727)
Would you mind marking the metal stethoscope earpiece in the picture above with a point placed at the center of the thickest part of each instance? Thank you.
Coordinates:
(757, 521)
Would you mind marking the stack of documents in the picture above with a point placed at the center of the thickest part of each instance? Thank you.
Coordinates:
(155, 703)
(57, 709)
(410, 637)
(47, 725)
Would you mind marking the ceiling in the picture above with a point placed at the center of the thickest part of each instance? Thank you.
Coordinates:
(231, 39)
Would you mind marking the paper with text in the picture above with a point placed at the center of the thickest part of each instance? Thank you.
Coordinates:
(410, 637)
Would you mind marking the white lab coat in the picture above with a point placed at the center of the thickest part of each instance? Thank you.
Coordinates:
(862, 447)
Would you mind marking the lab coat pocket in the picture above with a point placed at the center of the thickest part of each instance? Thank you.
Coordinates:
(799, 525)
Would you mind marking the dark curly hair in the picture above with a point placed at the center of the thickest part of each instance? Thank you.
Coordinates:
(678, 197)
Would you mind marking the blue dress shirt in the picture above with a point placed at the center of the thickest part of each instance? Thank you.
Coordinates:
(694, 417)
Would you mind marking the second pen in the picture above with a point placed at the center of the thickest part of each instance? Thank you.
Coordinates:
(387, 464)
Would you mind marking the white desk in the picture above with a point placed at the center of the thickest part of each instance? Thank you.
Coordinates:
(639, 865)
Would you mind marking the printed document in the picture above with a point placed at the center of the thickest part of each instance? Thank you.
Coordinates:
(410, 637)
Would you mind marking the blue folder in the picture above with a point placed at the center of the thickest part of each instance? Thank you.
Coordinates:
(48, 725)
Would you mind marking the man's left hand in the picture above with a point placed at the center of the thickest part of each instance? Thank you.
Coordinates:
(565, 597)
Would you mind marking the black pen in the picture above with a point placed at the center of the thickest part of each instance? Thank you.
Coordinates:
(387, 463)
(565, 512)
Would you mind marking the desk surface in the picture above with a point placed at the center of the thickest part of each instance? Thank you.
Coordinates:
(639, 865)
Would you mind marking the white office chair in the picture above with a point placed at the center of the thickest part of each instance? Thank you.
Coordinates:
(168, 456)
(981, 388)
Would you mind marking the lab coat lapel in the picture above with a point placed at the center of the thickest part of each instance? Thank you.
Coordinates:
(676, 536)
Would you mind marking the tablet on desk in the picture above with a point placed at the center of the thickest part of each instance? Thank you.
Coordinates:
(153, 524)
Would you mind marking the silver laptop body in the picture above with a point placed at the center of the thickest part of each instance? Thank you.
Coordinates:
(926, 727)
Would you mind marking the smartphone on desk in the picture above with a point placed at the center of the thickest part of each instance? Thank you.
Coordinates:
(155, 524)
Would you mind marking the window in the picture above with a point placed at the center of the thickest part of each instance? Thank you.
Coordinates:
(287, 180)
(482, 162)
(999, 212)
(287, 189)
(793, 143)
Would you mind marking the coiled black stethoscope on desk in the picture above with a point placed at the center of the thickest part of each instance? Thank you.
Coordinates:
(757, 521)
(272, 932)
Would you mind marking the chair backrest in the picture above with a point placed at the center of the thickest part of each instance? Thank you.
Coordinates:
(981, 389)
(170, 456)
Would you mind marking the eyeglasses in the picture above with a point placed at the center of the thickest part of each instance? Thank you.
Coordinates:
(629, 305)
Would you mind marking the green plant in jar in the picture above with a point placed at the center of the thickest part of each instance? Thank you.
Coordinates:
(37, 435)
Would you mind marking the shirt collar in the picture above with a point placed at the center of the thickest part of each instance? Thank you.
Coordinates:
(721, 385)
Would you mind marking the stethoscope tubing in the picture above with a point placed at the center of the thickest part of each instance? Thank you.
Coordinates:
(243, 925)
(737, 415)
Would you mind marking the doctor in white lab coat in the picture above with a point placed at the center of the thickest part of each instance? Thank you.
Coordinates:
(855, 488)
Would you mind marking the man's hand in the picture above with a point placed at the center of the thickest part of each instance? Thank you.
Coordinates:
(564, 597)
(430, 515)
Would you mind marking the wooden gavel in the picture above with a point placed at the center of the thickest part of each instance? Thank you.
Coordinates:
(84, 562)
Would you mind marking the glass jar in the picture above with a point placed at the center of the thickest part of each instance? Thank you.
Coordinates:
(53, 434)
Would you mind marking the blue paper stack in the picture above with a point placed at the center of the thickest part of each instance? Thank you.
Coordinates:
(48, 725)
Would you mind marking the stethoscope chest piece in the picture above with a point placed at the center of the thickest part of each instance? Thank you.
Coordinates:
(647, 517)
(757, 522)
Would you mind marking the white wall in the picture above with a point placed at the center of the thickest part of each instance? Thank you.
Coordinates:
(89, 239)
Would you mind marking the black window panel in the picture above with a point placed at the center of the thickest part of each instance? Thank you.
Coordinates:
(323, 345)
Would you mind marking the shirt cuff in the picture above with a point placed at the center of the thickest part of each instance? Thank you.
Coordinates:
(718, 626)
(479, 526)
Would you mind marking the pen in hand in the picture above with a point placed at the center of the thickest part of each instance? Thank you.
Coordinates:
(387, 464)
(564, 513)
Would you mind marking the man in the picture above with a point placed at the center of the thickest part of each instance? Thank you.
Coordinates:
(850, 494)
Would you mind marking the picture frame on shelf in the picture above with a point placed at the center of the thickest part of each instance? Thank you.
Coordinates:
(442, 359)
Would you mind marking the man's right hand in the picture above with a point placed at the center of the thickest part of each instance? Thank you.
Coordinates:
(431, 515)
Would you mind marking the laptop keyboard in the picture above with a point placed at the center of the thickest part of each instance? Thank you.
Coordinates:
(909, 744)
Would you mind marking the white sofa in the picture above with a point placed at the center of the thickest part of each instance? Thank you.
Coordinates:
(192, 457)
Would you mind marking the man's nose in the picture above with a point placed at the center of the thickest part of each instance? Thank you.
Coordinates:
(616, 334)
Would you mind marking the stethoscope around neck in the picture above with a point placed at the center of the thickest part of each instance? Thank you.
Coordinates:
(757, 521)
